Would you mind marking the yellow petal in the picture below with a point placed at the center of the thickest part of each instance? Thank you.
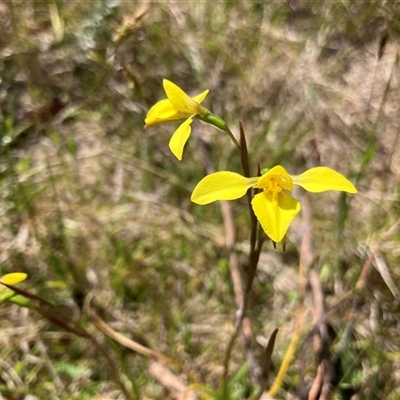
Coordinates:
(13, 278)
(275, 212)
(180, 100)
(162, 111)
(320, 179)
(179, 138)
(223, 185)
(200, 97)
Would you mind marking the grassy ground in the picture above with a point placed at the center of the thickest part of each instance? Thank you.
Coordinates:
(93, 205)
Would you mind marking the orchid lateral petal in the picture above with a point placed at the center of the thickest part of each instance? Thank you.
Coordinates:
(223, 185)
(179, 138)
(13, 278)
(200, 97)
(321, 179)
(180, 100)
(275, 212)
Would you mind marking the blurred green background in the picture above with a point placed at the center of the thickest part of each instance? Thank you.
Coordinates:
(91, 202)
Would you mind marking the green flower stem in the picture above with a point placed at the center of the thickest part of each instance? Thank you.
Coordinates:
(218, 122)
(21, 301)
(6, 296)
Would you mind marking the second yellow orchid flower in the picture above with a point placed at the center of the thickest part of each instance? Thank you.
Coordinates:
(176, 107)
(10, 279)
(273, 207)
(13, 278)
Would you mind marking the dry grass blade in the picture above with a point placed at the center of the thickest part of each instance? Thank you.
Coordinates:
(157, 368)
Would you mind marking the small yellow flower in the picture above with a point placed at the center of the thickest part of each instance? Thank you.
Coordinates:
(13, 278)
(176, 107)
(10, 279)
(273, 207)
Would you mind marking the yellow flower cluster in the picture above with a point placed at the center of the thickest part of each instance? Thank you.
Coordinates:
(273, 206)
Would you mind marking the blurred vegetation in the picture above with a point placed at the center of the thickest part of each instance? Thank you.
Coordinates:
(91, 203)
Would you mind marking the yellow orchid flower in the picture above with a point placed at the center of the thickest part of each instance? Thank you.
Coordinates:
(176, 107)
(13, 278)
(273, 207)
(10, 279)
